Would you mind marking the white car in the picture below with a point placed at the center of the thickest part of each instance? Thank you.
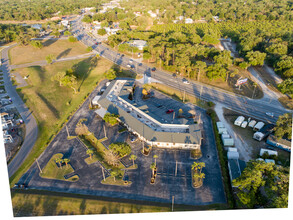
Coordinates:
(130, 61)
(270, 114)
(185, 81)
(128, 65)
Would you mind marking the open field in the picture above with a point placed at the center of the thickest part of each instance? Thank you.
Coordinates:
(40, 205)
(59, 48)
(52, 104)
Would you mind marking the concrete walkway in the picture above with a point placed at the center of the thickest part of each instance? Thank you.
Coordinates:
(19, 80)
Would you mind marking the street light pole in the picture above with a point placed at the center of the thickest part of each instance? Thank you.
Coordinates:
(39, 166)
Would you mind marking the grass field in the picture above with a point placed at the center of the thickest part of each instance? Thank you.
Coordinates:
(40, 205)
(60, 48)
(51, 104)
(52, 171)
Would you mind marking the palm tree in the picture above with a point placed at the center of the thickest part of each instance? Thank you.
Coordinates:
(197, 166)
(153, 166)
(133, 158)
(66, 161)
(90, 152)
(114, 174)
(155, 157)
(59, 161)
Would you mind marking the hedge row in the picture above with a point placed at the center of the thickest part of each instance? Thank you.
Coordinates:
(222, 154)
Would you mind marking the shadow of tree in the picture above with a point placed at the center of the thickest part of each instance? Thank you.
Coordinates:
(82, 206)
(64, 53)
(48, 42)
(50, 206)
(50, 106)
(83, 68)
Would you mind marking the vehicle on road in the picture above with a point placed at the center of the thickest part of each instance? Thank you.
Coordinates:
(174, 75)
(154, 69)
(169, 111)
(140, 64)
(270, 114)
(185, 81)
(133, 138)
(130, 61)
(128, 65)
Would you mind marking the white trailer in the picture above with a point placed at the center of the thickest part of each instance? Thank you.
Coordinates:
(244, 124)
(270, 152)
(258, 126)
(252, 123)
(239, 120)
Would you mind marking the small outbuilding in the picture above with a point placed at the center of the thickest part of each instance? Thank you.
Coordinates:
(258, 126)
(244, 124)
(239, 121)
(252, 123)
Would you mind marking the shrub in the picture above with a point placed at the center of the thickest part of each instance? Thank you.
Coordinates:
(111, 118)
(102, 32)
(72, 39)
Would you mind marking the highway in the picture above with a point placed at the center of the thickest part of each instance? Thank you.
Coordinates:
(251, 107)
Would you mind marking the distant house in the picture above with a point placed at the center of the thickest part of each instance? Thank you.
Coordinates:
(65, 22)
(188, 21)
(180, 18)
(37, 26)
(111, 31)
(137, 13)
(56, 18)
(140, 44)
(152, 14)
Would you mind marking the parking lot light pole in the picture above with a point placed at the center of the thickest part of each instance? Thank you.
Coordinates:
(176, 169)
(67, 130)
(105, 131)
(173, 203)
(103, 173)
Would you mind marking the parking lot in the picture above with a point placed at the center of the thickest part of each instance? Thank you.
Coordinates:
(169, 182)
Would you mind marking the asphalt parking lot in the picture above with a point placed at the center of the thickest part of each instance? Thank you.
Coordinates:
(169, 182)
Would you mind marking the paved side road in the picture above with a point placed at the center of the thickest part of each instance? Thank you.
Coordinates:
(29, 120)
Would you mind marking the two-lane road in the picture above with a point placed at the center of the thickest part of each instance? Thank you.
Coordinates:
(251, 107)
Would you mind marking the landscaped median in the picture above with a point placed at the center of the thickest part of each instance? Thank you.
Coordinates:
(109, 158)
(55, 169)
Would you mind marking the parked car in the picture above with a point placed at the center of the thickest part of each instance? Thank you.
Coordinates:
(174, 75)
(169, 111)
(154, 69)
(130, 61)
(140, 64)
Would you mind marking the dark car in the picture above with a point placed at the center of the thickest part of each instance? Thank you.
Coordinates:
(169, 111)
(122, 55)
(154, 69)
(140, 64)
(133, 138)
(174, 75)
(97, 43)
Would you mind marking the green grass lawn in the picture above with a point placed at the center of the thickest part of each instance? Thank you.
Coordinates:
(52, 171)
(51, 104)
(59, 48)
(39, 205)
(118, 181)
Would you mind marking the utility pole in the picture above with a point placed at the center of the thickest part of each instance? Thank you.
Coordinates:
(172, 203)
(67, 130)
(104, 131)
(200, 92)
(103, 173)
(184, 96)
(199, 119)
(173, 116)
(39, 166)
